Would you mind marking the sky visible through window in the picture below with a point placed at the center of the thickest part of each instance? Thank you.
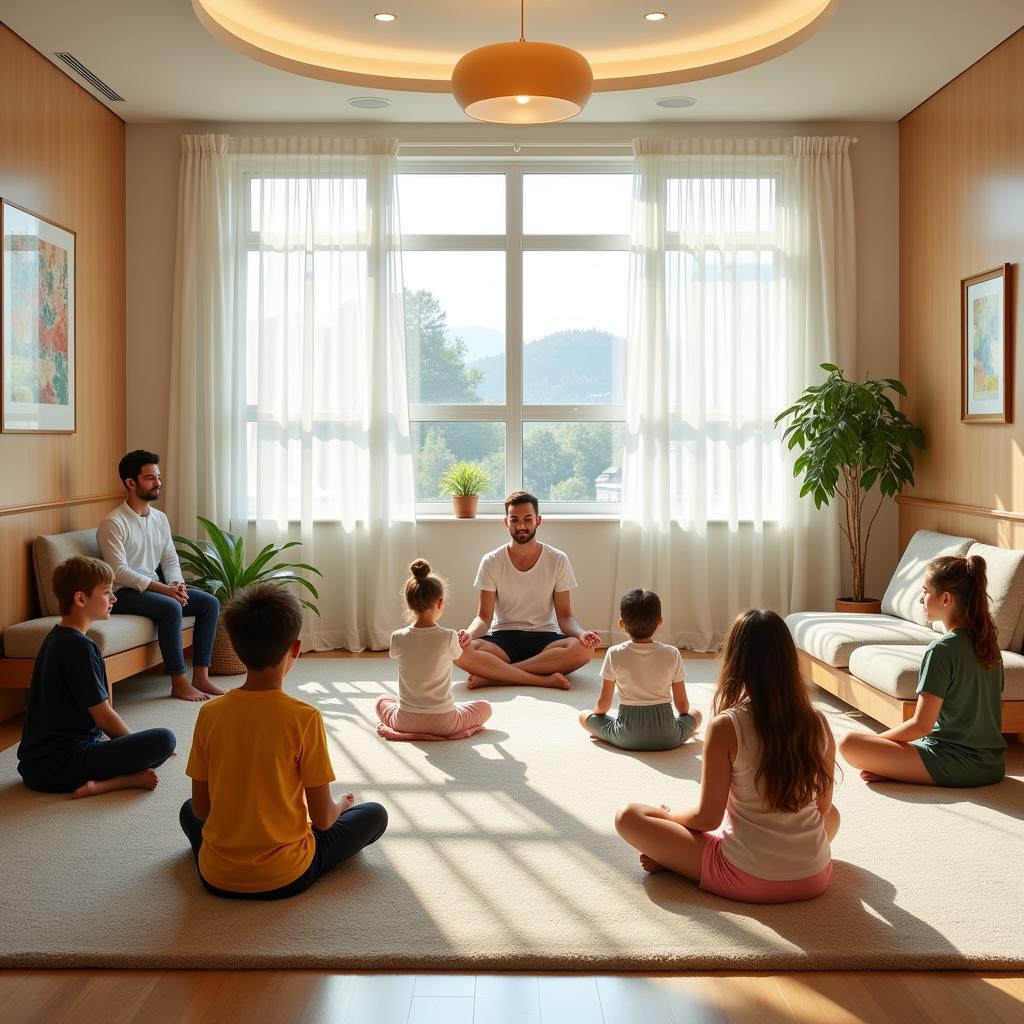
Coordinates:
(571, 317)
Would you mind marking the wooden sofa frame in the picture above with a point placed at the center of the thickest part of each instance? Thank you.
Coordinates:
(884, 707)
(16, 673)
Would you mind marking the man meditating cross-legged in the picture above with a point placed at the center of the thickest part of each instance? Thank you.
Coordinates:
(135, 539)
(524, 588)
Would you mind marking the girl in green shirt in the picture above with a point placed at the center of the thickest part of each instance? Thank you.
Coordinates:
(953, 737)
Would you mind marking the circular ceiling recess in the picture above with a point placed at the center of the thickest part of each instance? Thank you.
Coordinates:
(416, 52)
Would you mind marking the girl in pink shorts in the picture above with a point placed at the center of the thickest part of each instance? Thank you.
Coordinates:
(761, 829)
(424, 708)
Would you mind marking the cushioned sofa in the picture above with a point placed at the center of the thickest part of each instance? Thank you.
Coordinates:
(127, 642)
(872, 661)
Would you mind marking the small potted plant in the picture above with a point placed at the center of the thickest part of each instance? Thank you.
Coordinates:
(852, 436)
(465, 482)
(218, 566)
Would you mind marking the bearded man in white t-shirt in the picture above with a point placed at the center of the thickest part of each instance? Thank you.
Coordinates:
(524, 623)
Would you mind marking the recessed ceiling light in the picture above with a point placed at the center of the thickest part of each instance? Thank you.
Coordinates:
(655, 16)
(369, 102)
(385, 17)
(676, 101)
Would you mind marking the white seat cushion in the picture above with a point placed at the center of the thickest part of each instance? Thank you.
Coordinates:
(114, 635)
(894, 669)
(902, 597)
(1005, 572)
(832, 636)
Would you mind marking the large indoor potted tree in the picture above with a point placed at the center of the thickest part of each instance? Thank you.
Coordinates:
(219, 567)
(852, 437)
(464, 482)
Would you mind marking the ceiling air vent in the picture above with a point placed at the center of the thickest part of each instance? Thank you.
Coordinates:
(84, 73)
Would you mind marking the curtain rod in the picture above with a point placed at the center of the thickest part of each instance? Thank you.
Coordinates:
(516, 145)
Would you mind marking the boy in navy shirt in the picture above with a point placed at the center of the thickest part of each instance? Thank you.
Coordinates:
(62, 748)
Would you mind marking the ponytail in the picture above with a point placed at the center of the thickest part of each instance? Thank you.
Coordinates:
(967, 580)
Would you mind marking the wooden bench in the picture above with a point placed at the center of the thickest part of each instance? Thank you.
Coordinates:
(128, 643)
(872, 661)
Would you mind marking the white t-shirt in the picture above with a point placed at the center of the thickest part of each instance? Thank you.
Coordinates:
(643, 673)
(133, 546)
(525, 599)
(425, 657)
(774, 845)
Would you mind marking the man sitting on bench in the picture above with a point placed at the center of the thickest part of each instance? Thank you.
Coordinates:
(135, 539)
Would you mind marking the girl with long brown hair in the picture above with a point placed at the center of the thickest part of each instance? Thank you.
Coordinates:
(953, 737)
(767, 771)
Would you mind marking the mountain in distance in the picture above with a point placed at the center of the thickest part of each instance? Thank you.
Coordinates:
(562, 368)
(481, 342)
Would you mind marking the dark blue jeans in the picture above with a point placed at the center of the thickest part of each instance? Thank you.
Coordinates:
(94, 762)
(167, 613)
(357, 827)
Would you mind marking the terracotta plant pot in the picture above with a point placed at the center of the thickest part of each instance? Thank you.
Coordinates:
(464, 506)
(224, 661)
(869, 606)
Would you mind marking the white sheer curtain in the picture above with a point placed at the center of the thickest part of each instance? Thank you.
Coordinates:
(289, 409)
(742, 283)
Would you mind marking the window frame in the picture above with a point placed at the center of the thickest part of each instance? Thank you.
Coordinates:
(514, 244)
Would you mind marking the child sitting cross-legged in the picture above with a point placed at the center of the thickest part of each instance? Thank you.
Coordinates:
(260, 769)
(761, 829)
(424, 709)
(953, 737)
(62, 748)
(654, 711)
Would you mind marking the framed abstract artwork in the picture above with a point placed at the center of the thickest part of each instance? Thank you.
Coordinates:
(37, 314)
(986, 352)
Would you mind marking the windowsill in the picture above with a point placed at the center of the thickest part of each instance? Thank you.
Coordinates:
(564, 517)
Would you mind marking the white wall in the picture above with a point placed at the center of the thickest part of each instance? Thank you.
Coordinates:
(152, 191)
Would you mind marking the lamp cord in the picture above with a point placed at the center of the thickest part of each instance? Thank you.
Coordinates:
(522, 20)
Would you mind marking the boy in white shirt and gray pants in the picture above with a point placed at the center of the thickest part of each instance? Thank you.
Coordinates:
(654, 711)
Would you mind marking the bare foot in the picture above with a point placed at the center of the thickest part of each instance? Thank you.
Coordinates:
(649, 865)
(203, 685)
(146, 779)
(182, 689)
(559, 681)
(475, 681)
(873, 776)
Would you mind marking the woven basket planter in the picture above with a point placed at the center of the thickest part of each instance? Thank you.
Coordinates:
(224, 661)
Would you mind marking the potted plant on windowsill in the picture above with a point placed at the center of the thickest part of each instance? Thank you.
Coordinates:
(852, 436)
(219, 567)
(465, 482)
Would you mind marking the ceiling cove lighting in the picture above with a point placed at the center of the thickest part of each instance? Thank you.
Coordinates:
(523, 82)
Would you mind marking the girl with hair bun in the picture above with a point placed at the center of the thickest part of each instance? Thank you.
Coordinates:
(953, 737)
(424, 708)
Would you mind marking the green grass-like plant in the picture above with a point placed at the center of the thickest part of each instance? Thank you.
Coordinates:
(464, 480)
(218, 565)
(852, 436)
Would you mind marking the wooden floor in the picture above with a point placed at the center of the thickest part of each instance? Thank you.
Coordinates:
(296, 997)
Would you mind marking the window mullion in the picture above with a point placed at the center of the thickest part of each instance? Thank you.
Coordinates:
(514, 330)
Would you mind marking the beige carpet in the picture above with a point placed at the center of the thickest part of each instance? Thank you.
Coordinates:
(501, 854)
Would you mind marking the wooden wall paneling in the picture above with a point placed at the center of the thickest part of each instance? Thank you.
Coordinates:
(62, 155)
(961, 210)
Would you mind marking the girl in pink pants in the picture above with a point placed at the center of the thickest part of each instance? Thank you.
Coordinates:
(424, 709)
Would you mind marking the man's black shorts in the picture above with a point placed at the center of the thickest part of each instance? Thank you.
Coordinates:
(520, 644)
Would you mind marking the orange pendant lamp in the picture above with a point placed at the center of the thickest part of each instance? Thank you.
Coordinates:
(522, 83)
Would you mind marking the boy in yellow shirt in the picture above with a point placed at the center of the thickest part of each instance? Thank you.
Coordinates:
(259, 762)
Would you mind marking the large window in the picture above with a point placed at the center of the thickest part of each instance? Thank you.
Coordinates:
(516, 289)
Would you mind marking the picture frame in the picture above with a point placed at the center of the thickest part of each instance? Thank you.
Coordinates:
(986, 350)
(37, 323)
